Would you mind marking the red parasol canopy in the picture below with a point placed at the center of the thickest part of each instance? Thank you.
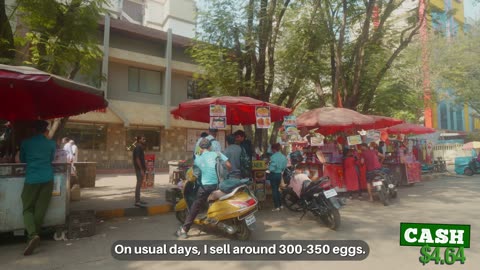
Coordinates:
(330, 120)
(239, 110)
(384, 121)
(409, 129)
(28, 94)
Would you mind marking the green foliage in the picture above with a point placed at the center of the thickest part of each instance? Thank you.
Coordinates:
(454, 64)
(62, 35)
(400, 94)
(221, 31)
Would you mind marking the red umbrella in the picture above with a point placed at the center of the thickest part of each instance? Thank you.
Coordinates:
(28, 94)
(240, 110)
(330, 120)
(384, 121)
(407, 128)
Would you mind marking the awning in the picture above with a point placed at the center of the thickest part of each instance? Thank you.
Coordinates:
(100, 116)
(136, 114)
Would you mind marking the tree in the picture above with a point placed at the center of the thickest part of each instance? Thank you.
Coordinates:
(365, 40)
(400, 93)
(7, 46)
(236, 46)
(313, 53)
(60, 37)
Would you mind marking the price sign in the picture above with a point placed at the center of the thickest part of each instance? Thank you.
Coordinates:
(450, 255)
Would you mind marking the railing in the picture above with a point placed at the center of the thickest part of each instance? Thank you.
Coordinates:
(449, 152)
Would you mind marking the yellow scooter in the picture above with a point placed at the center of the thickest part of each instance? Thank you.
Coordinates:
(232, 213)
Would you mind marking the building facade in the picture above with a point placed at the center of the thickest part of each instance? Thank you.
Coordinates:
(447, 17)
(148, 72)
(178, 15)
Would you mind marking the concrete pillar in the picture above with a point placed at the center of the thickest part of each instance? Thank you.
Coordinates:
(168, 79)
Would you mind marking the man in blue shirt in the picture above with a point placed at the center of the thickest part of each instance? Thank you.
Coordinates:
(278, 163)
(233, 153)
(38, 153)
(209, 182)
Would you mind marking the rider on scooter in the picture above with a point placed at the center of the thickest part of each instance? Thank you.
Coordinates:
(208, 183)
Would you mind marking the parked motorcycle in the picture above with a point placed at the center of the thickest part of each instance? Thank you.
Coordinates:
(232, 213)
(384, 186)
(318, 197)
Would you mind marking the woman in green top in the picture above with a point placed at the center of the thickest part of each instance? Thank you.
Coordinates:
(278, 163)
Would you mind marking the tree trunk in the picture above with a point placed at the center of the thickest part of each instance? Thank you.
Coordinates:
(7, 46)
(359, 56)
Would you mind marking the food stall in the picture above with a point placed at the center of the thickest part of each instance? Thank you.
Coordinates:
(28, 94)
(404, 156)
(12, 178)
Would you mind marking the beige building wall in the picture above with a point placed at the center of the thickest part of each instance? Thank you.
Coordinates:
(115, 156)
(158, 14)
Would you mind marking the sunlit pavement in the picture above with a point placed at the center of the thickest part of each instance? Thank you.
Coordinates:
(444, 200)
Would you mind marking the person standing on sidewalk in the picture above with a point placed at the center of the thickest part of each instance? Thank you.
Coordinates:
(233, 152)
(278, 163)
(140, 167)
(38, 153)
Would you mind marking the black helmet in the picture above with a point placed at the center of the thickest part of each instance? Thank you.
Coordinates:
(296, 157)
(205, 143)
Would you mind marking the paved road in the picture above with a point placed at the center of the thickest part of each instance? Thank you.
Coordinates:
(444, 200)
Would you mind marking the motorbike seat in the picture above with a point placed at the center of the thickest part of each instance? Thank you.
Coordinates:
(305, 185)
(229, 195)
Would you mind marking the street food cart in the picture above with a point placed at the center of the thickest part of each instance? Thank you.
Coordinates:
(29, 94)
(12, 178)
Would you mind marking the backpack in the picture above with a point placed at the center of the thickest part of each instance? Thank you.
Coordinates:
(245, 164)
(220, 169)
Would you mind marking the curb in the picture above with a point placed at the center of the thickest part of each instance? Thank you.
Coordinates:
(434, 176)
(134, 211)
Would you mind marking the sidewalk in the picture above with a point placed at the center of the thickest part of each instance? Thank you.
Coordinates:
(113, 196)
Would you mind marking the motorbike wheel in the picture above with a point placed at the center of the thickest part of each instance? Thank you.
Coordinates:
(243, 232)
(394, 194)
(332, 219)
(468, 172)
(181, 215)
(290, 201)
(383, 196)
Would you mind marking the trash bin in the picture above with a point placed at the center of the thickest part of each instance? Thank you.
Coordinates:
(173, 166)
(86, 173)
